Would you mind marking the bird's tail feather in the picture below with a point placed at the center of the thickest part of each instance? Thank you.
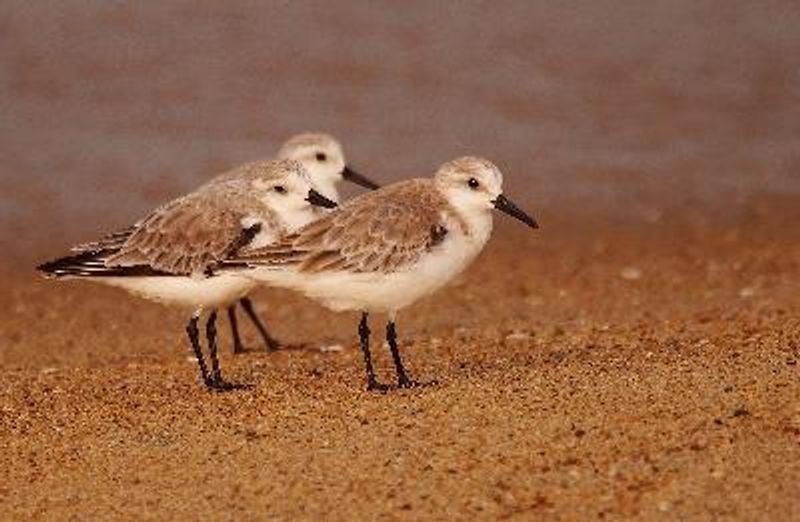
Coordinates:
(91, 264)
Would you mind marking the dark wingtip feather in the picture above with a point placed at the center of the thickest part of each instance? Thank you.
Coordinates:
(47, 269)
(77, 265)
(92, 264)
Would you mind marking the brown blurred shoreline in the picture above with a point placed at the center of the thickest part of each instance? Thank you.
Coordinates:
(617, 109)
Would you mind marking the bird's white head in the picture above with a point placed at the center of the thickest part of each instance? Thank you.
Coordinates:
(323, 158)
(475, 186)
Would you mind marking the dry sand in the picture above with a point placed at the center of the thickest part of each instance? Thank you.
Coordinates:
(650, 373)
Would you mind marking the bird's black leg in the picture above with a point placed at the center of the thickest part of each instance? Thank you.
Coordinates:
(216, 382)
(403, 381)
(363, 334)
(194, 339)
(269, 341)
(238, 347)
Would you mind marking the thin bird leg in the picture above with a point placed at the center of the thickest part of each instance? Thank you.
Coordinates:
(363, 334)
(238, 347)
(217, 382)
(403, 380)
(194, 339)
(269, 341)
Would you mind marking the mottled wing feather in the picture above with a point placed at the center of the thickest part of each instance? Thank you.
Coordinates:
(112, 241)
(384, 231)
(185, 236)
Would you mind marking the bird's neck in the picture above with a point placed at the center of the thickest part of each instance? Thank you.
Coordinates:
(296, 218)
(474, 223)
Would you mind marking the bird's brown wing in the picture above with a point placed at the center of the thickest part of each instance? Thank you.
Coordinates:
(185, 236)
(384, 231)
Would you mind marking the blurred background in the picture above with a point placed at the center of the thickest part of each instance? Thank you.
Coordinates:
(621, 112)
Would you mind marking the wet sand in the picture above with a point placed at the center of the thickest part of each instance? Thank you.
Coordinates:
(633, 373)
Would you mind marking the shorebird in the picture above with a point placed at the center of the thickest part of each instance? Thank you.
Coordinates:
(323, 157)
(383, 250)
(167, 256)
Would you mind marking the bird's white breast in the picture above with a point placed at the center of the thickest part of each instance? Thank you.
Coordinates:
(386, 292)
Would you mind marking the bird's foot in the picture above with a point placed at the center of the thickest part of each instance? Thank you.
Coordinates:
(218, 384)
(374, 385)
(271, 345)
(404, 382)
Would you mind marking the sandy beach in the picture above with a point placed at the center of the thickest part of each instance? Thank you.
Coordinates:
(630, 377)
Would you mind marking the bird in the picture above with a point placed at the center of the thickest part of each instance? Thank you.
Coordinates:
(323, 157)
(167, 256)
(382, 251)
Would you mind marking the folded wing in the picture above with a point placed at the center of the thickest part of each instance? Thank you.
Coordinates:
(384, 231)
(184, 237)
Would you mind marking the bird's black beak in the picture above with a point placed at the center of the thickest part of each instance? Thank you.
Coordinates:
(503, 204)
(318, 200)
(354, 177)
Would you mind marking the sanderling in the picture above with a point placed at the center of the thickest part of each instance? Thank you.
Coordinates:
(167, 256)
(323, 158)
(381, 251)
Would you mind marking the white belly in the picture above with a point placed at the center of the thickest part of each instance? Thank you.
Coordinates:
(188, 292)
(376, 292)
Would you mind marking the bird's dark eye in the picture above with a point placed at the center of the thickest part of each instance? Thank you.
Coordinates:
(321, 156)
(473, 183)
(280, 189)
